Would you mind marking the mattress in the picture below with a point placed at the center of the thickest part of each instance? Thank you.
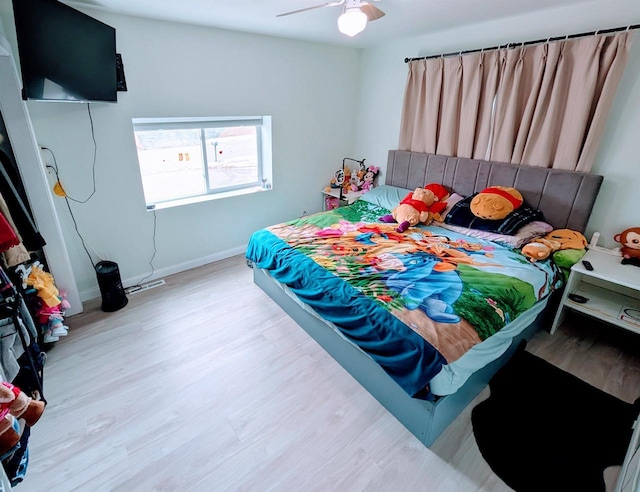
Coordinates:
(429, 305)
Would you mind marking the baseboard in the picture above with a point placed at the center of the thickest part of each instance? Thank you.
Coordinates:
(94, 293)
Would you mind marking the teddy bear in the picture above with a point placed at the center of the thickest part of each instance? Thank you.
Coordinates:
(630, 240)
(412, 210)
(496, 202)
(559, 239)
(439, 206)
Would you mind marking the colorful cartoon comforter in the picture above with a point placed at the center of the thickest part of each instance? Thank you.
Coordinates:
(413, 301)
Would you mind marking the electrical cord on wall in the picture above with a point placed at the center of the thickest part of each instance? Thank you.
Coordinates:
(66, 197)
(153, 256)
(60, 191)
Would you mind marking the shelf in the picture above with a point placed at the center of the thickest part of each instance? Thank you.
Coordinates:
(608, 268)
(347, 198)
(604, 305)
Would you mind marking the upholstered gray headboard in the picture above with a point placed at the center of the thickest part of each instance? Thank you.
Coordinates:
(564, 197)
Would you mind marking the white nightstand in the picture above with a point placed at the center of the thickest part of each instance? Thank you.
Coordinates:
(347, 198)
(609, 288)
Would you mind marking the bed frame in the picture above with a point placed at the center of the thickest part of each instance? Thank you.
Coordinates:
(566, 199)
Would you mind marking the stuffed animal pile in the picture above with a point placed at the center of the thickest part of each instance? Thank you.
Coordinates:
(50, 313)
(354, 180)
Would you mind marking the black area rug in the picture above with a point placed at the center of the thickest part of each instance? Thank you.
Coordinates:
(543, 429)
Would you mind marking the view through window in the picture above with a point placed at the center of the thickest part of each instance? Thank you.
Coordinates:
(194, 158)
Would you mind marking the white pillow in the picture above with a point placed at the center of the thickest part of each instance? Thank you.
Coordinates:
(385, 196)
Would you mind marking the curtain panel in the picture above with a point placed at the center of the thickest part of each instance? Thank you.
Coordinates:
(447, 105)
(543, 105)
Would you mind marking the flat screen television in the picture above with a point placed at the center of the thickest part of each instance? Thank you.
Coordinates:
(65, 55)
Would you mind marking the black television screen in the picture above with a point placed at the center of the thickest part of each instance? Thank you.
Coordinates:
(65, 55)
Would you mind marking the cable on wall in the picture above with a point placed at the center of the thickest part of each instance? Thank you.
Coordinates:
(60, 191)
(54, 167)
(153, 256)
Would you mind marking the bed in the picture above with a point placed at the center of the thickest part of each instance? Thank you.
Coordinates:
(421, 319)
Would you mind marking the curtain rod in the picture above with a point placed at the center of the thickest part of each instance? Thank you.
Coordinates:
(526, 43)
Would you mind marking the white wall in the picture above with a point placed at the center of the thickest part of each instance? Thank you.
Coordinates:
(181, 70)
(384, 75)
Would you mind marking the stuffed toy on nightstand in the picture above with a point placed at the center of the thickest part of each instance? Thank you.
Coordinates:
(630, 240)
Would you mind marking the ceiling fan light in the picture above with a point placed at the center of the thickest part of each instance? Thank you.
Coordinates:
(352, 21)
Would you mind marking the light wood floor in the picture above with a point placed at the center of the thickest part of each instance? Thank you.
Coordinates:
(205, 384)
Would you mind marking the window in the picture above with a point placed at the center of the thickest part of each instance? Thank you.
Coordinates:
(186, 160)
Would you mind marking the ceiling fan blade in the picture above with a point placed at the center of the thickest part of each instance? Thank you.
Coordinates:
(328, 4)
(373, 13)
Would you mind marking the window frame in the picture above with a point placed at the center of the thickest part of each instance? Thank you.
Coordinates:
(262, 125)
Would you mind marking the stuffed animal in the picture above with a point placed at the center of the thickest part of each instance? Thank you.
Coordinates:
(43, 282)
(346, 185)
(369, 177)
(559, 239)
(496, 202)
(630, 240)
(442, 195)
(354, 181)
(412, 210)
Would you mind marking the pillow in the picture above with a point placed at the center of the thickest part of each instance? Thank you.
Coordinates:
(385, 196)
(451, 201)
(461, 215)
(525, 235)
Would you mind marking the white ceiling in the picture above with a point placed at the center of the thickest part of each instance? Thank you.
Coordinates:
(403, 17)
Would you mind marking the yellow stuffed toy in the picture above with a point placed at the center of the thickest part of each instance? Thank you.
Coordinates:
(559, 239)
(43, 283)
(495, 202)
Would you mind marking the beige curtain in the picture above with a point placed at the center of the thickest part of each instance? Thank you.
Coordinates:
(542, 105)
(553, 99)
(447, 105)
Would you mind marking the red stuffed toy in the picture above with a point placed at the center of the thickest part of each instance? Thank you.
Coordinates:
(440, 204)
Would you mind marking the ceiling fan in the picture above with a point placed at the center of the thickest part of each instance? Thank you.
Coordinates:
(354, 17)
